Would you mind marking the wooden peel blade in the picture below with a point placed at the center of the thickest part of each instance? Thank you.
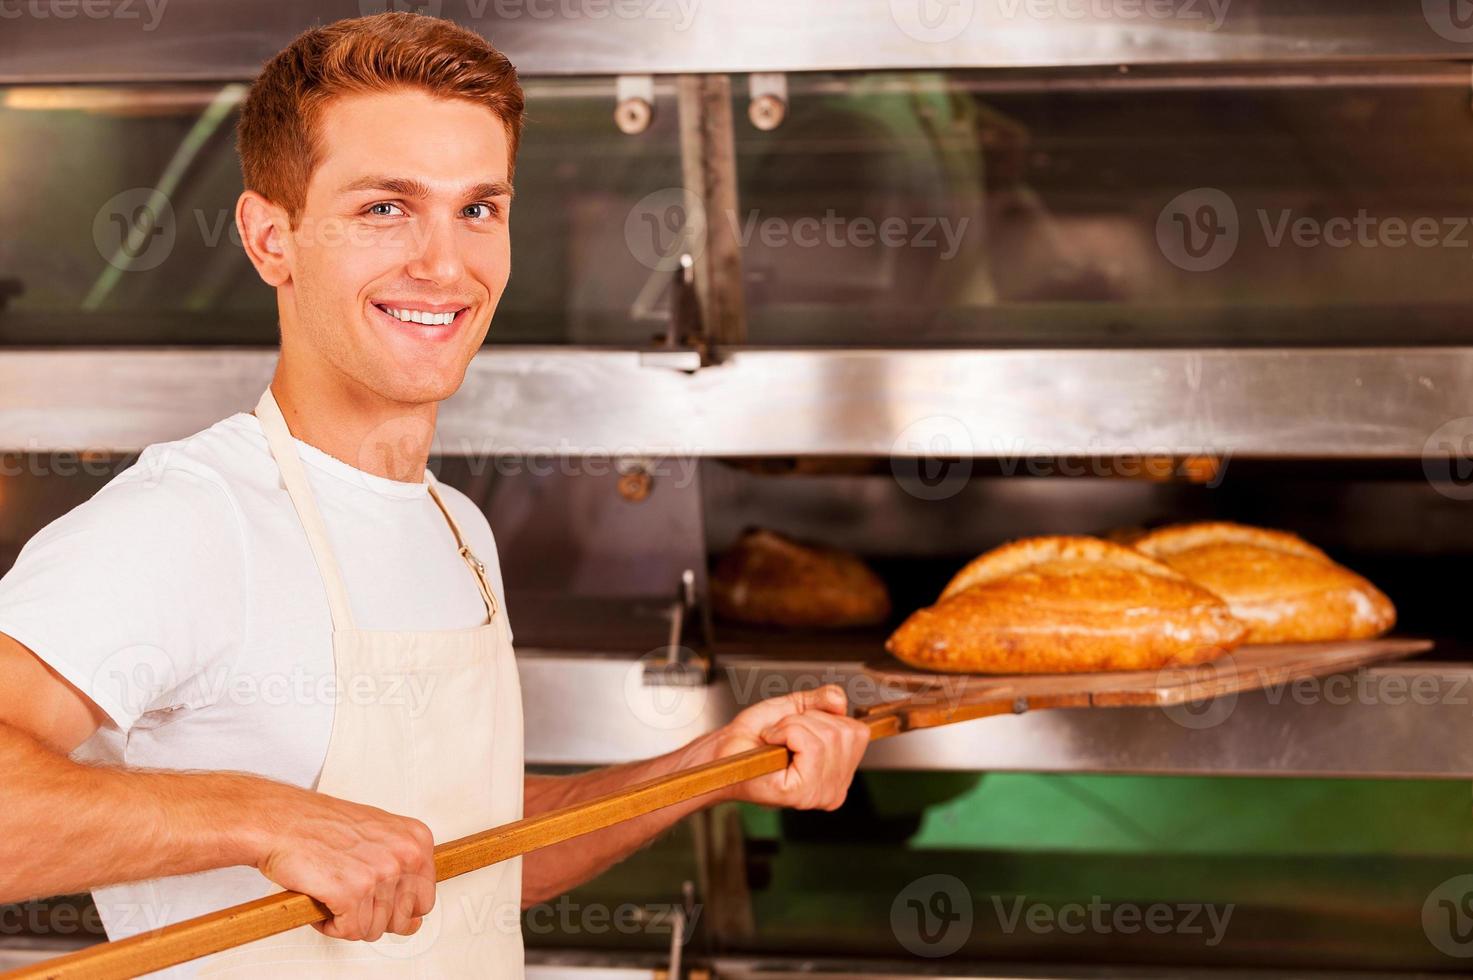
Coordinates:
(931, 704)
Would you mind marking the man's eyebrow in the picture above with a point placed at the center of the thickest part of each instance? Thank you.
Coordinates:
(495, 188)
(402, 186)
(416, 189)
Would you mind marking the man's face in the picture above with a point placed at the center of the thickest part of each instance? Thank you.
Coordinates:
(403, 248)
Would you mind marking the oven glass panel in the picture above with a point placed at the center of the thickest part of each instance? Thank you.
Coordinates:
(126, 234)
(1110, 208)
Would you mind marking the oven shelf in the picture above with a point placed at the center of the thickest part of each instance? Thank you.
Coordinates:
(596, 708)
(900, 403)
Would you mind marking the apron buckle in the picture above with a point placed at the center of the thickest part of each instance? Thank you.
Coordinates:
(468, 555)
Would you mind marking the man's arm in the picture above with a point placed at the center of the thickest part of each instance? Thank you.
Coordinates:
(826, 747)
(69, 827)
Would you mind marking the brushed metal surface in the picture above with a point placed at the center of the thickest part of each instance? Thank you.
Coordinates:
(592, 710)
(1261, 734)
(1380, 723)
(1302, 403)
(152, 40)
(775, 968)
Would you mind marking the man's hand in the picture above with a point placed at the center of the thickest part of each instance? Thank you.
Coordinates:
(826, 745)
(374, 870)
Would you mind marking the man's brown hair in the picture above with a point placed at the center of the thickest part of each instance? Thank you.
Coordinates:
(277, 136)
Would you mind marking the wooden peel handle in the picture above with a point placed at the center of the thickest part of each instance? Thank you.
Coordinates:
(277, 913)
(241, 924)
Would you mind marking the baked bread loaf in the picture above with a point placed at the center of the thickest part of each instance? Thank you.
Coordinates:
(768, 579)
(1284, 589)
(1064, 604)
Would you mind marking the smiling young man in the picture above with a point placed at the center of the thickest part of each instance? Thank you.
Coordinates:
(275, 654)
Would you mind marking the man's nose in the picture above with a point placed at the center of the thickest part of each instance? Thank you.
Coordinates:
(436, 255)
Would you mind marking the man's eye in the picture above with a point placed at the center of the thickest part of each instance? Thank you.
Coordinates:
(383, 209)
(486, 210)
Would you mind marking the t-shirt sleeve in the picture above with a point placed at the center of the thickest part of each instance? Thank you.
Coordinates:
(134, 595)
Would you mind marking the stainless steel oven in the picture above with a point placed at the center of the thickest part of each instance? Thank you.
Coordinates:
(909, 280)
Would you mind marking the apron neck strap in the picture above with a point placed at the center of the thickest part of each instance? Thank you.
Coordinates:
(279, 438)
(289, 461)
(477, 568)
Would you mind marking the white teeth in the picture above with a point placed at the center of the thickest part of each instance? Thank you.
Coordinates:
(419, 316)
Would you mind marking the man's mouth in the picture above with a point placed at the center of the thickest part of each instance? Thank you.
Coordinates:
(433, 323)
(424, 317)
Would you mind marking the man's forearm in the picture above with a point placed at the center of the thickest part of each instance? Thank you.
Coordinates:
(70, 827)
(551, 871)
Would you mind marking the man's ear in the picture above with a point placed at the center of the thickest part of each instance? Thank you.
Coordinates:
(263, 230)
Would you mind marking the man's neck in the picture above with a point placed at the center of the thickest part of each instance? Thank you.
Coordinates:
(353, 424)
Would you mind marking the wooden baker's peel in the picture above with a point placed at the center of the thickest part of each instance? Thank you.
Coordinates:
(930, 701)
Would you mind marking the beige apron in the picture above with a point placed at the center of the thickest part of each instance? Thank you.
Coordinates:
(426, 724)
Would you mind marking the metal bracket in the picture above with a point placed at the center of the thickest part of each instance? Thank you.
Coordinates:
(634, 97)
(682, 666)
(684, 345)
(768, 94)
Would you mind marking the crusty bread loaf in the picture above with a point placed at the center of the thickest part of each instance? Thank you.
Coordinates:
(1065, 604)
(1016, 556)
(1284, 589)
(768, 579)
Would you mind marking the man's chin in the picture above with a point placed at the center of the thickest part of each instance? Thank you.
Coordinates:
(413, 389)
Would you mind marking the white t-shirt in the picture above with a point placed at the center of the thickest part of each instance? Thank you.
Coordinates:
(184, 600)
